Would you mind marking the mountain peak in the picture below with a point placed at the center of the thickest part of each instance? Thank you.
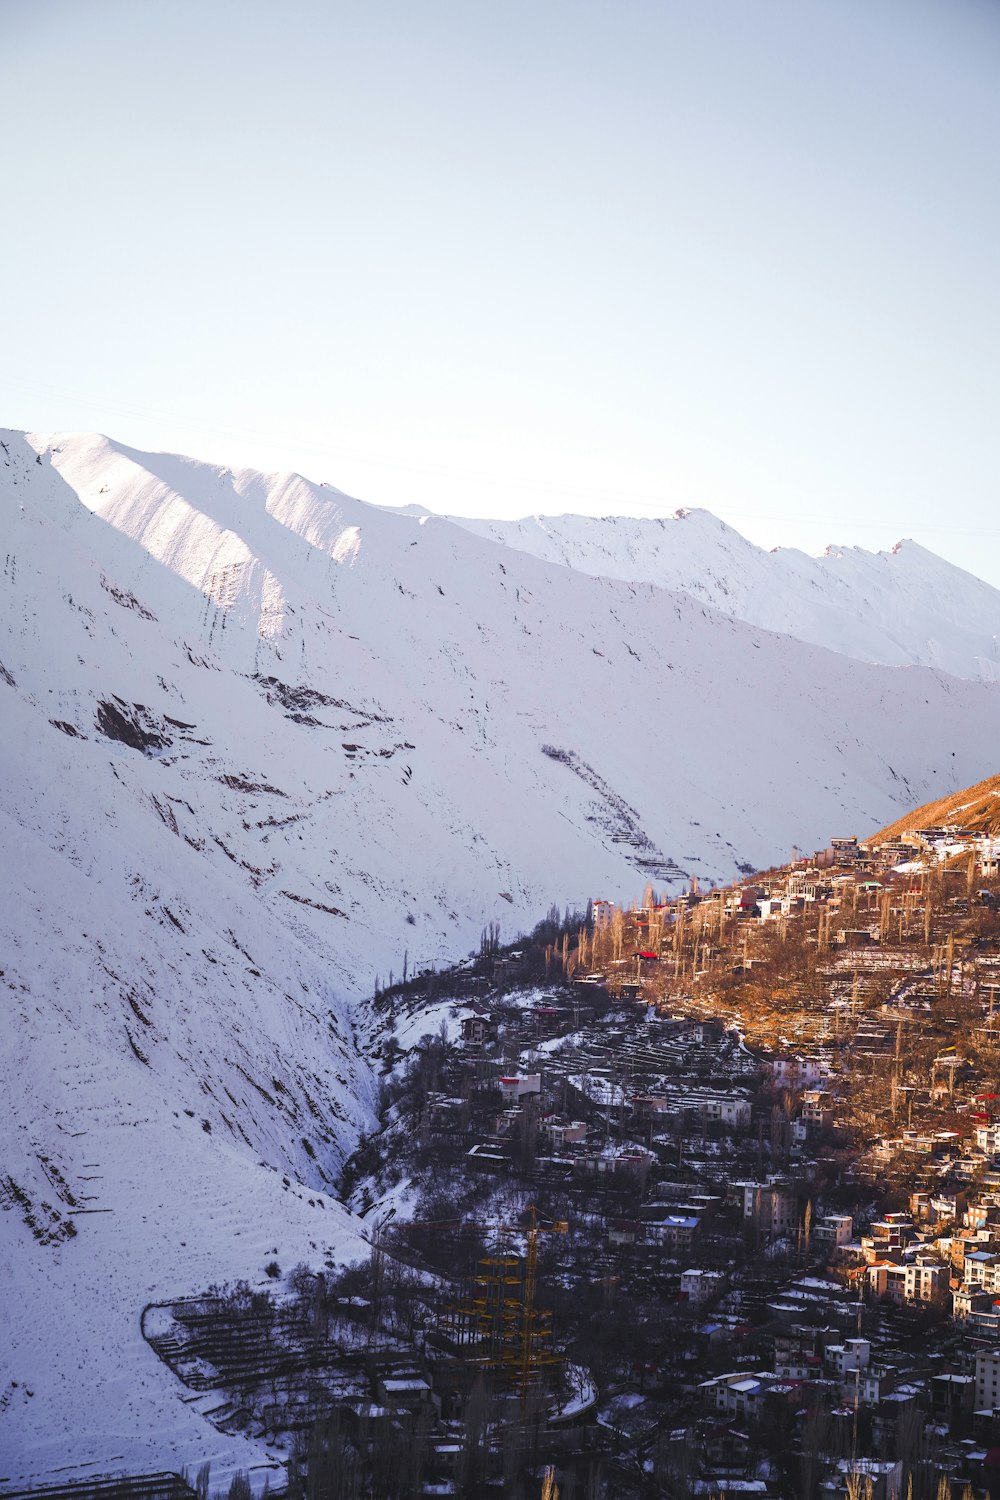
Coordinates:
(906, 607)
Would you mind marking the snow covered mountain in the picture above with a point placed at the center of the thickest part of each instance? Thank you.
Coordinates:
(904, 607)
(261, 740)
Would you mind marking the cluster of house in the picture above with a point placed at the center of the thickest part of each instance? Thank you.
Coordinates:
(941, 1253)
(846, 879)
(679, 1102)
(945, 1249)
(611, 1092)
(901, 1405)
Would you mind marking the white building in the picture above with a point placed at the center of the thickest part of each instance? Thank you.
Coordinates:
(834, 1229)
(697, 1286)
(799, 1071)
(737, 1394)
(851, 1355)
(727, 1109)
(673, 1231)
(982, 1269)
(515, 1088)
(885, 1474)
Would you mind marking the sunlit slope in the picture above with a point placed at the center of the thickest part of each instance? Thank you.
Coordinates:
(976, 809)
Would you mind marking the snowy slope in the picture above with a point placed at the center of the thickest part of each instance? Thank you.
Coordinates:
(259, 740)
(167, 1211)
(902, 607)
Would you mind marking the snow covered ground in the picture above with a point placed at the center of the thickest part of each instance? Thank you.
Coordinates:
(259, 741)
(167, 1211)
(902, 607)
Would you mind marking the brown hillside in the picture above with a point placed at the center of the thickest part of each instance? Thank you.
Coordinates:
(977, 809)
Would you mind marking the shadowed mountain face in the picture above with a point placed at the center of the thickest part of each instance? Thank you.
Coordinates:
(260, 741)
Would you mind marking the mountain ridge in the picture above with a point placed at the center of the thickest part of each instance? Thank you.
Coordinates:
(904, 606)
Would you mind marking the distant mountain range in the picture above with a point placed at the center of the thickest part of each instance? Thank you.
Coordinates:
(906, 607)
(263, 742)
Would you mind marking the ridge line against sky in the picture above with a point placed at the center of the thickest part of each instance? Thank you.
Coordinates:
(589, 505)
(575, 257)
(498, 528)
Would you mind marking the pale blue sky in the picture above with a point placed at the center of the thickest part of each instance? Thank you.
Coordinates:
(539, 255)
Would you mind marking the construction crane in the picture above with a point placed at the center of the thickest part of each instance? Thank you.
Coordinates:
(500, 1313)
(530, 1333)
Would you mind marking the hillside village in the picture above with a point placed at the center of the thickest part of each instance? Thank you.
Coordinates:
(696, 1198)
